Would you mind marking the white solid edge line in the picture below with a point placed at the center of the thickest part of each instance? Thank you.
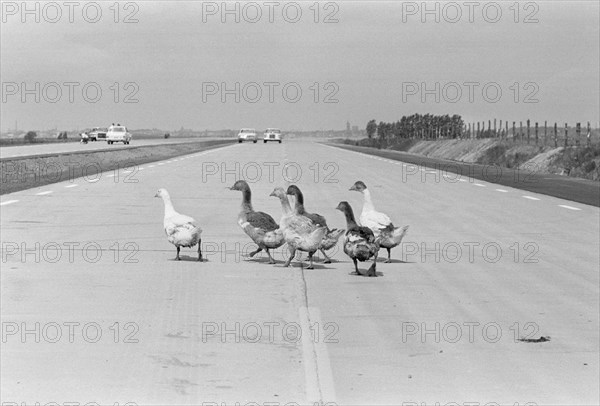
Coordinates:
(8, 202)
(531, 198)
(564, 206)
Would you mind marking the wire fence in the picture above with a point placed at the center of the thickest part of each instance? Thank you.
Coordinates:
(534, 133)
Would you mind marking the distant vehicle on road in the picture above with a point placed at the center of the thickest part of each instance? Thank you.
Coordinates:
(272, 134)
(118, 133)
(97, 133)
(247, 134)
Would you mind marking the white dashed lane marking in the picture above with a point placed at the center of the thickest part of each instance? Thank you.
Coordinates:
(47, 192)
(564, 206)
(70, 186)
(8, 202)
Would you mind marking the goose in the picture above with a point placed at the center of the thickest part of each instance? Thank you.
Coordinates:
(332, 236)
(379, 223)
(360, 243)
(259, 226)
(181, 230)
(298, 231)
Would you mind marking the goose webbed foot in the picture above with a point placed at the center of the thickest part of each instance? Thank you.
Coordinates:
(355, 267)
(389, 259)
(372, 269)
(310, 257)
(253, 253)
(327, 260)
(271, 260)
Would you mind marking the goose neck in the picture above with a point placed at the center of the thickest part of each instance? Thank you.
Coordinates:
(169, 209)
(368, 203)
(247, 200)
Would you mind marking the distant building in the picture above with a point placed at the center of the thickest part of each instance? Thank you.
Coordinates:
(348, 127)
(354, 129)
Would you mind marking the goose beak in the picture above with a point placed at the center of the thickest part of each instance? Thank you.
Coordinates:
(156, 195)
(353, 188)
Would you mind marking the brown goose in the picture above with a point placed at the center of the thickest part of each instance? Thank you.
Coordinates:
(360, 243)
(259, 226)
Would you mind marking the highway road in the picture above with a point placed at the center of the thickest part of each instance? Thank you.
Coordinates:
(493, 297)
(58, 148)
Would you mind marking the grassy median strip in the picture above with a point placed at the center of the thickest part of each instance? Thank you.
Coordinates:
(20, 173)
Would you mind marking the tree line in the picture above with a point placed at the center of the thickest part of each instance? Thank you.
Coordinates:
(426, 126)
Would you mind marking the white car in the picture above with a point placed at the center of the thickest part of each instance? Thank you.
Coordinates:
(247, 134)
(272, 134)
(97, 133)
(118, 133)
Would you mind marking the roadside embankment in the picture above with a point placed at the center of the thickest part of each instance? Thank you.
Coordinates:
(574, 161)
(20, 173)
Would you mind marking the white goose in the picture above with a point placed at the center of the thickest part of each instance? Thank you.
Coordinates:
(181, 230)
(381, 225)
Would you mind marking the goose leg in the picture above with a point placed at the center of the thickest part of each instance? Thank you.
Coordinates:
(387, 261)
(327, 260)
(355, 267)
(292, 254)
(372, 269)
(200, 250)
(253, 253)
(177, 257)
(310, 257)
(271, 260)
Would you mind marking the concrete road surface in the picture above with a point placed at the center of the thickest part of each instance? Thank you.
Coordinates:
(492, 297)
(58, 148)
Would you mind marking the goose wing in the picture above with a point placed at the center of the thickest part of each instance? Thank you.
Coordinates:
(261, 220)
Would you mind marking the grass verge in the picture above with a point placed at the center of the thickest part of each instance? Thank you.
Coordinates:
(20, 173)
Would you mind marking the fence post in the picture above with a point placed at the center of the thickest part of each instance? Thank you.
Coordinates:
(555, 136)
(566, 134)
(521, 131)
(495, 132)
(589, 135)
(478, 124)
(514, 131)
(528, 131)
(545, 131)
(506, 133)
(578, 131)
(536, 133)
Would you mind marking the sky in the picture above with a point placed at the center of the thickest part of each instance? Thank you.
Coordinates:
(302, 65)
